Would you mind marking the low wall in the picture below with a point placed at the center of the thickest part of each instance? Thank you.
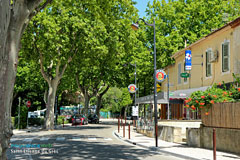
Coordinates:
(166, 133)
(227, 140)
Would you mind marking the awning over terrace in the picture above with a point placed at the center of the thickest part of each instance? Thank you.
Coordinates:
(173, 95)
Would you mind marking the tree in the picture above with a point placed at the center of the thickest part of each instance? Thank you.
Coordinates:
(15, 16)
(54, 34)
(190, 20)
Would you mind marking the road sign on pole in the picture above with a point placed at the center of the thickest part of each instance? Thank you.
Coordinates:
(160, 75)
(132, 88)
(28, 104)
(184, 75)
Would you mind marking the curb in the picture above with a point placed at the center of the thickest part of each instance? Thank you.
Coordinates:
(134, 143)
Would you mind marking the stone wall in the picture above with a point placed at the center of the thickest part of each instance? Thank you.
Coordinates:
(227, 140)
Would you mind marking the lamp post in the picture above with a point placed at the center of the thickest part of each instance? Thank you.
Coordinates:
(135, 27)
(135, 73)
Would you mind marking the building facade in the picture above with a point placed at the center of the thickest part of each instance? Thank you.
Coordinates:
(215, 58)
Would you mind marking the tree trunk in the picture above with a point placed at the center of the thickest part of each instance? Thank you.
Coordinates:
(99, 101)
(49, 119)
(86, 101)
(10, 34)
(14, 16)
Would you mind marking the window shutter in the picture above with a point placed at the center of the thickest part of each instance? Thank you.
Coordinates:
(208, 64)
(225, 57)
(179, 72)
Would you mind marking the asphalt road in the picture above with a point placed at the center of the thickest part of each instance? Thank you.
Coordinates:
(92, 141)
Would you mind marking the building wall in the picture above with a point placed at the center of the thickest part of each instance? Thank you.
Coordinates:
(198, 73)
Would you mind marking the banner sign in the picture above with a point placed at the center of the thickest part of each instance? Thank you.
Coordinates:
(188, 60)
(134, 110)
(132, 88)
(160, 75)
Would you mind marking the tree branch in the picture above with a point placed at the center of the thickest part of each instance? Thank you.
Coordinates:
(106, 89)
(42, 69)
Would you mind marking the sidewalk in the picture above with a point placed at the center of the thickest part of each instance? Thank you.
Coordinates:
(174, 149)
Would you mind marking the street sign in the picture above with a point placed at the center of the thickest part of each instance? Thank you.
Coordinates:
(132, 88)
(188, 60)
(158, 88)
(134, 110)
(170, 94)
(28, 104)
(160, 75)
(184, 75)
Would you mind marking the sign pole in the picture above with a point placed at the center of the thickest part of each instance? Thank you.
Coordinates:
(168, 96)
(19, 98)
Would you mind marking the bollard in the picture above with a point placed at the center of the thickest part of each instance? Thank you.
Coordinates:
(121, 122)
(63, 122)
(134, 125)
(118, 124)
(123, 130)
(129, 130)
(214, 144)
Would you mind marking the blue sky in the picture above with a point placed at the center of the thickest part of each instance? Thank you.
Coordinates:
(141, 6)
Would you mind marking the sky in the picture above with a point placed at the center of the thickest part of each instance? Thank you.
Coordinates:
(141, 6)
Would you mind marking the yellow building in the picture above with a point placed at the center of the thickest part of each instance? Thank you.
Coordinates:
(214, 58)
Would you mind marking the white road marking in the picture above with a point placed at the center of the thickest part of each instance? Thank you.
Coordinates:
(14, 139)
(44, 139)
(60, 138)
(75, 139)
(108, 139)
(28, 139)
(92, 139)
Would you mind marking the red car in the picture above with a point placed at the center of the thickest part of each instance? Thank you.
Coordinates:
(79, 120)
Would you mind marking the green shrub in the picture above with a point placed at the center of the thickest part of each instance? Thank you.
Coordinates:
(60, 120)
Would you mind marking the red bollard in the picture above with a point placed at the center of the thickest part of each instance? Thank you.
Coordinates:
(81, 121)
(129, 130)
(63, 122)
(121, 122)
(118, 125)
(123, 130)
(214, 144)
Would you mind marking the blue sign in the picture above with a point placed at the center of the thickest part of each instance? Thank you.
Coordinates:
(160, 75)
(188, 60)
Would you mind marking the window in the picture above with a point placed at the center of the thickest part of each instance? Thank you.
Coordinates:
(179, 72)
(225, 57)
(208, 64)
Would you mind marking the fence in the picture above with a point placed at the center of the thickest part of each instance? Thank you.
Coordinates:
(224, 115)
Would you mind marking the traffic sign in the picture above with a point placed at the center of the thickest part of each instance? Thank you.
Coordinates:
(132, 88)
(158, 88)
(28, 104)
(160, 75)
(184, 75)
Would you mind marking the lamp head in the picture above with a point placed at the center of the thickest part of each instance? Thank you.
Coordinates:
(134, 26)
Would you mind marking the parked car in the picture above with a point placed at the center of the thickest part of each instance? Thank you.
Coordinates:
(79, 119)
(93, 119)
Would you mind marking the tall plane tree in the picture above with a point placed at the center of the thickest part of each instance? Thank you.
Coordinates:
(54, 33)
(15, 16)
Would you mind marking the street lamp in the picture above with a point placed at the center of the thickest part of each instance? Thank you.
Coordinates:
(135, 27)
